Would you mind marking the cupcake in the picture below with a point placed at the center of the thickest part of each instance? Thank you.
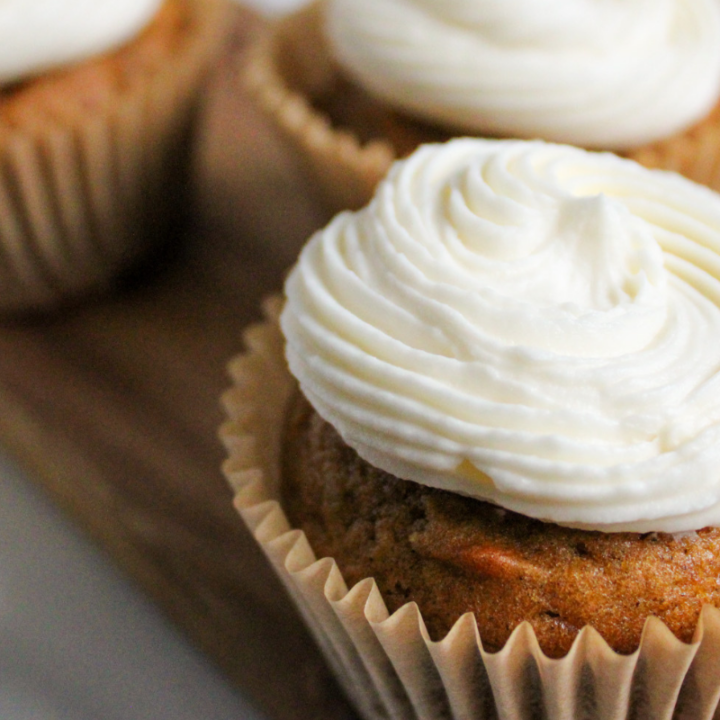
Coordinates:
(356, 85)
(486, 468)
(96, 102)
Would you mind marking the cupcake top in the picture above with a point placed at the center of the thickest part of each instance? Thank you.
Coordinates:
(596, 73)
(41, 35)
(526, 323)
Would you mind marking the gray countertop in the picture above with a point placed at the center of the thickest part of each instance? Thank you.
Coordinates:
(78, 641)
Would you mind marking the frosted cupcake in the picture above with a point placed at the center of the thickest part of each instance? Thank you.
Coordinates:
(96, 100)
(500, 431)
(356, 85)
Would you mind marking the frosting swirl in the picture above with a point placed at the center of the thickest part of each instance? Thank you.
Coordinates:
(526, 323)
(36, 35)
(601, 74)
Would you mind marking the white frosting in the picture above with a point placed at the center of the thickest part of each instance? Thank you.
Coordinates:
(40, 35)
(530, 324)
(609, 74)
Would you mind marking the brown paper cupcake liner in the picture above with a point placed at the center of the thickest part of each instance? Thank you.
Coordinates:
(287, 67)
(387, 664)
(291, 74)
(83, 193)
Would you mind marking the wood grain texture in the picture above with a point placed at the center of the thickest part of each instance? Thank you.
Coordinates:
(113, 405)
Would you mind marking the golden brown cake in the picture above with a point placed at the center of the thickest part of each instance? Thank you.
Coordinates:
(452, 554)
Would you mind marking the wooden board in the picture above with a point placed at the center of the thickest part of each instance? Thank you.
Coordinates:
(113, 406)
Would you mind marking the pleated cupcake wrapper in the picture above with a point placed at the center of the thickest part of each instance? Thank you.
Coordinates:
(79, 196)
(387, 663)
(345, 170)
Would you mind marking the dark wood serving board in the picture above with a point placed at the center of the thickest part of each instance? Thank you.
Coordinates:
(113, 405)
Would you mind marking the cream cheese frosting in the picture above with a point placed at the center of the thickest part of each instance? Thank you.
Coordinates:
(41, 35)
(530, 324)
(611, 74)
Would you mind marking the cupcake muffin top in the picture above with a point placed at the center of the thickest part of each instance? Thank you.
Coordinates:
(596, 73)
(524, 323)
(37, 36)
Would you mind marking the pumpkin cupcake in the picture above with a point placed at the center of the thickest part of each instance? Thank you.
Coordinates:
(96, 100)
(500, 434)
(356, 85)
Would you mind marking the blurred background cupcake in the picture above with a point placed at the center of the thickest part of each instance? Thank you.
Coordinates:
(354, 85)
(96, 106)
